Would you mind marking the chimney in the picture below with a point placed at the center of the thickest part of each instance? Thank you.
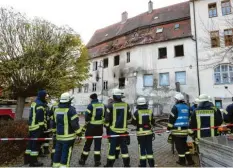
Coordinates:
(124, 17)
(150, 6)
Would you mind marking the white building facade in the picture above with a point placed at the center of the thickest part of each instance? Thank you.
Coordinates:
(214, 26)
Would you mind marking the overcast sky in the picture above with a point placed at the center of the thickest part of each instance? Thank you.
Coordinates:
(84, 16)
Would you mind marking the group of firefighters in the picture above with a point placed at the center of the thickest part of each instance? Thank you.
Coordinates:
(64, 123)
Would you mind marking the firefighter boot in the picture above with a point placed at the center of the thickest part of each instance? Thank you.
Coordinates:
(181, 161)
(34, 162)
(52, 154)
(142, 163)
(151, 162)
(97, 160)
(126, 162)
(26, 159)
(83, 159)
(109, 163)
(189, 160)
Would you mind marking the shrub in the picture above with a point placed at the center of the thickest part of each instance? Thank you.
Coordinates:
(10, 150)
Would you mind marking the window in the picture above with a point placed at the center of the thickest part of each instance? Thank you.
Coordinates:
(228, 36)
(86, 88)
(164, 79)
(116, 60)
(218, 104)
(121, 83)
(105, 85)
(181, 77)
(159, 30)
(223, 74)
(213, 10)
(79, 89)
(95, 65)
(105, 62)
(226, 7)
(215, 42)
(177, 26)
(128, 57)
(179, 51)
(148, 80)
(93, 87)
(162, 53)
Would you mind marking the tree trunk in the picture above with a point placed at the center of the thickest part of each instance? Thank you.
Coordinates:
(20, 107)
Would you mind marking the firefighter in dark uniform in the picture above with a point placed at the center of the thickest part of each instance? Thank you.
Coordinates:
(117, 115)
(228, 116)
(94, 118)
(179, 126)
(67, 129)
(144, 120)
(206, 115)
(36, 129)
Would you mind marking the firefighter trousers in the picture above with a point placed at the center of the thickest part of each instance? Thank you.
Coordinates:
(181, 145)
(145, 150)
(117, 147)
(93, 130)
(63, 152)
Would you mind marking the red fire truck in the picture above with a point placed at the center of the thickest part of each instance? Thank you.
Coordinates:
(7, 109)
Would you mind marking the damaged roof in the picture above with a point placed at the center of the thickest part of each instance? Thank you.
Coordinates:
(157, 17)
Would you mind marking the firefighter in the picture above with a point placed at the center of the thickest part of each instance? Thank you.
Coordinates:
(206, 115)
(66, 122)
(144, 120)
(36, 129)
(228, 116)
(179, 124)
(116, 119)
(195, 104)
(94, 118)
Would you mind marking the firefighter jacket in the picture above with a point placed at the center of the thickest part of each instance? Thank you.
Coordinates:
(228, 116)
(37, 119)
(179, 119)
(206, 115)
(144, 120)
(51, 114)
(95, 113)
(117, 116)
(66, 122)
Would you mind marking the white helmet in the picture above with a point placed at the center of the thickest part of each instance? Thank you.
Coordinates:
(203, 98)
(179, 96)
(141, 101)
(65, 97)
(117, 92)
(210, 98)
(196, 101)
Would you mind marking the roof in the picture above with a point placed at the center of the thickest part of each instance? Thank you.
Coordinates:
(165, 15)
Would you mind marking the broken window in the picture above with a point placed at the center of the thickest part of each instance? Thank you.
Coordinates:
(212, 10)
(148, 80)
(93, 87)
(179, 51)
(226, 7)
(162, 53)
(177, 26)
(128, 57)
(223, 74)
(121, 83)
(228, 36)
(86, 88)
(105, 62)
(159, 30)
(164, 79)
(181, 77)
(215, 42)
(116, 60)
(95, 65)
(105, 85)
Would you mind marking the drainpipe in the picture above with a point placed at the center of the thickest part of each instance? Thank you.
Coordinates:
(195, 29)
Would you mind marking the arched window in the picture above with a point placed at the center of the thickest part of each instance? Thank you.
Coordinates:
(223, 74)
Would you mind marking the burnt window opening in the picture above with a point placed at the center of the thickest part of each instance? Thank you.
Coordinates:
(79, 89)
(179, 51)
(121, 83)
(215, 40)
(128, 57)
(86, 88)
(105, 85)
(105, 62)
(95, 65)
(116, 60)
(162, 53)
(93, 87)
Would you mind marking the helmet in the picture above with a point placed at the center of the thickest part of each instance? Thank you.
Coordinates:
(196, 101)
(65, 97)
(210, 98)
(117, 92)
(203, 98)
(179, 96)
(141, 101)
